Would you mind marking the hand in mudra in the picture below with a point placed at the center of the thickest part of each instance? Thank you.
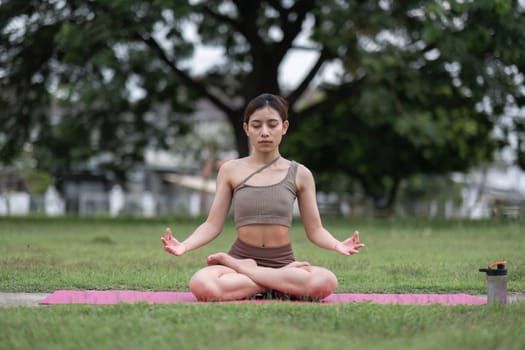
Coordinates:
(350, 246)
(171, 245)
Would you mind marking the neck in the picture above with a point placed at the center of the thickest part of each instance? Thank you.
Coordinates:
(265, 158)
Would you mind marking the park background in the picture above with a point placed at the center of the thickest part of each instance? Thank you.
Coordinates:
(130, 107)
(116, 115)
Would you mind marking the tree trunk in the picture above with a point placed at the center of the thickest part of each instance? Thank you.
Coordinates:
(241, 141)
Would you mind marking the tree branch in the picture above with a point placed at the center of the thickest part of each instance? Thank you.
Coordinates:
(292, 28)
(300, 89)
(222, 18)
(246, 25)
(277, 5)
(152, 43)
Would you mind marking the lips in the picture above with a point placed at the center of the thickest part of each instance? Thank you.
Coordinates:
(265, 142)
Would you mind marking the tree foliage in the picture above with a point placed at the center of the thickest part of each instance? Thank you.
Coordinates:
(421, 88)
(424, 88)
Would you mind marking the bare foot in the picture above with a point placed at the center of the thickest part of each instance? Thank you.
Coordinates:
(298, 264)
(227, 260)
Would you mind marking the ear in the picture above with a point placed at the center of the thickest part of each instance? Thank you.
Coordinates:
(285, 126)
(245, 127)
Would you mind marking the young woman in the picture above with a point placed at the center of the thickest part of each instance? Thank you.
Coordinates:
(262, 188)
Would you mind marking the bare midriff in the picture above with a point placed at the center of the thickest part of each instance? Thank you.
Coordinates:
(264, 235)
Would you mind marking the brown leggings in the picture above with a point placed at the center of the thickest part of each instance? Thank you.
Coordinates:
(268, 257)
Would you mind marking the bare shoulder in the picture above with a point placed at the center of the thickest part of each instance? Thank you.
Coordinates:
(229, 165)
(227, 171)
(304, 177)
(303, 171)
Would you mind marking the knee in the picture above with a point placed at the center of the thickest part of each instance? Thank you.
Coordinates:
(204, 288)
(323, 284)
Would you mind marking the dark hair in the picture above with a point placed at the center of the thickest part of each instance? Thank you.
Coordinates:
(275, 102)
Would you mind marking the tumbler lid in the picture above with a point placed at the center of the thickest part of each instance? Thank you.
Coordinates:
(498, 271)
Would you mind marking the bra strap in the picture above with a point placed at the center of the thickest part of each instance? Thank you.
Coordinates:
(258, 171)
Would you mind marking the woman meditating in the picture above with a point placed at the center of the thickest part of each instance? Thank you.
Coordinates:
(262, 189)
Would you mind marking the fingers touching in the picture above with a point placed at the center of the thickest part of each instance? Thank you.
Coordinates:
(168, 238)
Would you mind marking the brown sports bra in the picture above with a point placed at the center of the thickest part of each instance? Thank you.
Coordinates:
(270, 204)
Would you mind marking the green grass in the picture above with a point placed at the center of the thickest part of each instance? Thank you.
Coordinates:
(273, 326)
(42, 255)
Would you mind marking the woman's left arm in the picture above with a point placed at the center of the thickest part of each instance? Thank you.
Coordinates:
(306, 197)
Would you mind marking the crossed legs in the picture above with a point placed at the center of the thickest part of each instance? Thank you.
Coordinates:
(227, 278)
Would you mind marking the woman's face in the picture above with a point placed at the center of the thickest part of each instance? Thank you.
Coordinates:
(265, 128)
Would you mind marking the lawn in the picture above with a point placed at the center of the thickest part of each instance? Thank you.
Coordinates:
(405, 256)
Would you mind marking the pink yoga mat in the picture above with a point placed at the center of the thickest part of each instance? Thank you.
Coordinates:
(125, 296)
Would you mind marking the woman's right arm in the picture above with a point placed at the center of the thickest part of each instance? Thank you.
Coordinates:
(214, 224)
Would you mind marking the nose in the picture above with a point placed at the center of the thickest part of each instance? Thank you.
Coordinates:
(265, 130)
